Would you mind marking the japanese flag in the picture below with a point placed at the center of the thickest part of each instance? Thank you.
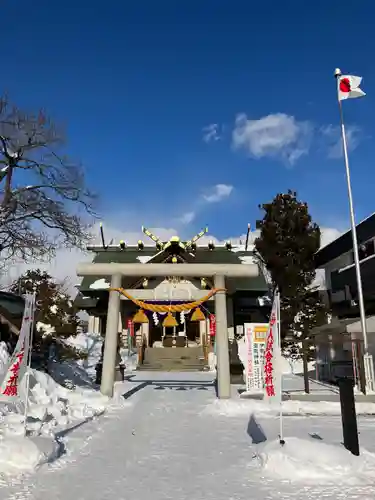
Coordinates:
(348, 87)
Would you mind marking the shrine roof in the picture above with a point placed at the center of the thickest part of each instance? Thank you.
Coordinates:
(173, 251)
(150, 254)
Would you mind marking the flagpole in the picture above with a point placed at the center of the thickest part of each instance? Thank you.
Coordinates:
(282, 442)
(368, 362)
(28, 365)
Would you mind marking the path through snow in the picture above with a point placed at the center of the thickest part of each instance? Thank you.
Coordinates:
(164, 446)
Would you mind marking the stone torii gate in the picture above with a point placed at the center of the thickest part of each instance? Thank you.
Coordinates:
(218, 271)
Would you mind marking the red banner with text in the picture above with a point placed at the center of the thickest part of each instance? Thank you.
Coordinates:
(131, 328)
(212, 325)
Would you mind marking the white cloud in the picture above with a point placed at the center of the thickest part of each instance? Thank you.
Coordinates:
(213, 194)
(276, 135)
(218, 193)
(328, 234)
(211, 133)
(63, 266)
(187, 217)
(332, 139)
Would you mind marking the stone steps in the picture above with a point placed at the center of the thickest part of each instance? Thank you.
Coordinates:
(162, 368)
(173, 359)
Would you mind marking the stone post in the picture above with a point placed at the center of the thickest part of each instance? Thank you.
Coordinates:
(230, 318)
(111, 337)
(222, 346)
(202, 330)
(97, 325)
(145, 329)
(91, 324)
(120, 325)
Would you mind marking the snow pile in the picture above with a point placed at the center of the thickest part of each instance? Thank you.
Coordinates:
(311, 461)
(290, 366)
(212, 361)
(245, 407)
(86, 342)
(131, 362)
(51, 407)
(4, 358)
(20, 454)
(90, 344)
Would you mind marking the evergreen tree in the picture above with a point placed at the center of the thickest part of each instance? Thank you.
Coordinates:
(55, 316)
(286, 247)
(312, 312)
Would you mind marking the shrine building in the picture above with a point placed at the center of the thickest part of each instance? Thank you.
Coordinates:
(175, 298)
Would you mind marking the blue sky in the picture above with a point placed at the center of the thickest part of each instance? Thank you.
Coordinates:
(136, 83)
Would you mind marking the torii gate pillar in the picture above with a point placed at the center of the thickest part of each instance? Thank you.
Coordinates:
(222, 341)
(111, 339)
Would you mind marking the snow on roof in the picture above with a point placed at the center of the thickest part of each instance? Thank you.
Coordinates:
(242, 248)
(100, 284)
(144, 258)
(217, 246)
(247, 259)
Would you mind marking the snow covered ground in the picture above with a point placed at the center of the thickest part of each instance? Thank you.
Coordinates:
(165, 435)
(234, 408)
(168, 443)
(53, 410)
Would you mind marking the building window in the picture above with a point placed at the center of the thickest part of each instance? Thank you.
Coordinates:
(366, 249)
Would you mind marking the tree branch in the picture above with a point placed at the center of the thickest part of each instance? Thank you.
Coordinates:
(42, 213)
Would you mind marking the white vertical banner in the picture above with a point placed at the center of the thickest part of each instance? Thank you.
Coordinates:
(255, 334)
(18, 364)
(272, 356)
(249, 356)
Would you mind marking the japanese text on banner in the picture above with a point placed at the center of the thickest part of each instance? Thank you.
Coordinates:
(272, 356)
(17, 367)
(255, 341)
(212, 325)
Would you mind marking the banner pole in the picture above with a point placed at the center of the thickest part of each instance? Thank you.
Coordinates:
(282, 442)
(29, 353)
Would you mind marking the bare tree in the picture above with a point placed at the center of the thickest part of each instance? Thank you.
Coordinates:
(44, 201)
